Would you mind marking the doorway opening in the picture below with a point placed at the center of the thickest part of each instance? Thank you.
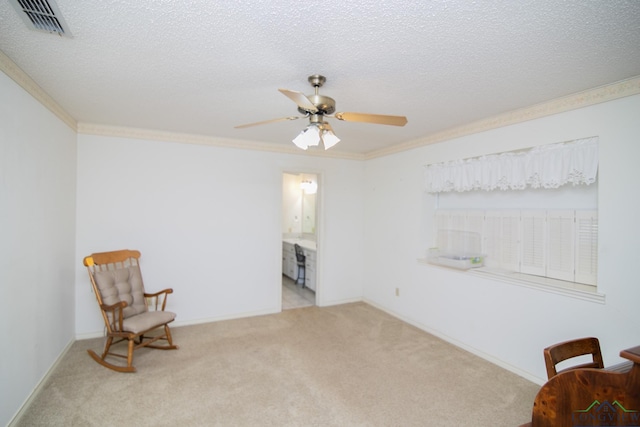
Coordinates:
(299, 231)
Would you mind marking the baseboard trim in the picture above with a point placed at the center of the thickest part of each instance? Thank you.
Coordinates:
(339, 302)
(227, 317)
(38, 388)
(461, 345)
(178, 324)
(89, 335)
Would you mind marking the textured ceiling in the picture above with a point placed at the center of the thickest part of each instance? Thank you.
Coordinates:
(202, 67)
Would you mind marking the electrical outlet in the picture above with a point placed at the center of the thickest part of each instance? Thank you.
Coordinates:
(397, 292)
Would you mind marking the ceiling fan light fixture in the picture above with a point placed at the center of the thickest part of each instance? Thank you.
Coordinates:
(329, 139)
(309, 137)
(313, 134)
(300, 140)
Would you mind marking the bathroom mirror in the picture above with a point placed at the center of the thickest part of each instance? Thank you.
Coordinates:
(309, 213)
(299, 204)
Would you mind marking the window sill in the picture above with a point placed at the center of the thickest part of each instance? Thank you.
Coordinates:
(560, 287)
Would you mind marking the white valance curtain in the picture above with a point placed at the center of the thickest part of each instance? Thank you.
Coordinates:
(546, 166)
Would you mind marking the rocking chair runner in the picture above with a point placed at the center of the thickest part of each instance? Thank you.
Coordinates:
(117, 284)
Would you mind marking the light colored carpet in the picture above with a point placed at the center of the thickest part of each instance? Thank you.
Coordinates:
(346, 365)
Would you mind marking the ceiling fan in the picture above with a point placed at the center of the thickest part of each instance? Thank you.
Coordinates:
(318, 107)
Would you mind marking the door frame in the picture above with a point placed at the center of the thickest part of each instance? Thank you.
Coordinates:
(319, 228)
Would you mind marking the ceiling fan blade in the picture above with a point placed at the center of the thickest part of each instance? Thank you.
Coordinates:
(300, 99)
(372, 118)
(282, 119)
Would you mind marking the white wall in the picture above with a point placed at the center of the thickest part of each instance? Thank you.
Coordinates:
(208, 223)
(503, 322)
(37, 238)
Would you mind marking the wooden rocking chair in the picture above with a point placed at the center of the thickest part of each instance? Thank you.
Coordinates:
(129, 313)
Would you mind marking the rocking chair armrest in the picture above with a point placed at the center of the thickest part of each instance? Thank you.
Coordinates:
(156, 295)
(116, 314)
(164, 291)
(119, 305)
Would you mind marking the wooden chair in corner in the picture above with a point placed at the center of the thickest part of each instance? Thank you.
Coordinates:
(566, 350)
(561, 352)
(591, 397)
(130, 314)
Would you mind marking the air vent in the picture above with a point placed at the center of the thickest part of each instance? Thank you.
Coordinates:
(42, 15)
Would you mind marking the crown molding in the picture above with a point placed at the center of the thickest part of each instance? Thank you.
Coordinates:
(583, 99)
(586, 98)
(185, 138)
(10, 68)
(575, 101)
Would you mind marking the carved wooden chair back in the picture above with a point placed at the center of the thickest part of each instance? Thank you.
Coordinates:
(563, 351)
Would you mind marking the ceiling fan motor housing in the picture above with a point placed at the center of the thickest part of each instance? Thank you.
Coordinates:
(324, 104)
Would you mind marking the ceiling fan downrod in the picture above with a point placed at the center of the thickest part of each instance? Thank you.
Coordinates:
(317, 81)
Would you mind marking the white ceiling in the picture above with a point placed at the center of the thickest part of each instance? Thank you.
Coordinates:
(202, 67)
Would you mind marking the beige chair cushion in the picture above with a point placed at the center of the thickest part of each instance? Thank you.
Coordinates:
(124, 284)
(145, 321)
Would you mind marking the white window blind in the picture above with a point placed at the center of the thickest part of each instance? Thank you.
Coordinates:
(501, 239)
(559, 244)
(443, 223)
(534, 251)
(586, 247)
(459, 231)
(474, 221)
